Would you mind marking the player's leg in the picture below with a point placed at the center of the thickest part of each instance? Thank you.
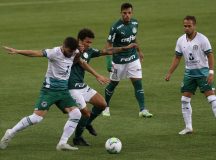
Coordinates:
(77, 95)
(188, 88)
(134, 72)
(99, 104)
(69, 128)
(25, 122)
(115, 76)
(109, 90)
(44, 101)
(186, 113)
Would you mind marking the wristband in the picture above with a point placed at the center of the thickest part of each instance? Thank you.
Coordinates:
(211, 71)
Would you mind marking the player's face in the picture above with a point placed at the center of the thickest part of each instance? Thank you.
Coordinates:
(86, 43)
(189, 27)
(126, 14)
(67, 52)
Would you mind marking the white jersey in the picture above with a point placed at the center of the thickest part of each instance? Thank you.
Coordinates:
(195, 54)
(58, 70)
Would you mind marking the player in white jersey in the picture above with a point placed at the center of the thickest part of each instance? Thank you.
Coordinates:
(53, 91)
(199, 69)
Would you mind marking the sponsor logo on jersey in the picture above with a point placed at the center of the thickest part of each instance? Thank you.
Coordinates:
(128, 59)
(134, 23)
(80, 85)
(129, 39)
(134, 30)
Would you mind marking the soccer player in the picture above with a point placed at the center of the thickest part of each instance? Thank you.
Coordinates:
(81, 92)
(53, 91)
(126, 64)
(199, 69)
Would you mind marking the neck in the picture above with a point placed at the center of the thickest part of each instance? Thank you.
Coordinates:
(191, 36)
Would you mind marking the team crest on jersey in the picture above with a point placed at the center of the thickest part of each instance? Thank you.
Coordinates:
(85, 55)
(44, 104)
(195, 47)
(134, 30)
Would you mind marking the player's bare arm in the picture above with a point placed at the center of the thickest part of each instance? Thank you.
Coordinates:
(101, 79)
(140, 53)
(210, 57)
(29, 53)
(113, 50)
(174, 65)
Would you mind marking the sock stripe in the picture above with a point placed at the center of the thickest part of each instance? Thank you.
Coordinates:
(29, 121)
(74, 120)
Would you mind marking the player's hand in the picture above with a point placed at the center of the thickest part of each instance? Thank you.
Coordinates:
(10, 50)
(210, 78)
(167, 78)
(102, 79)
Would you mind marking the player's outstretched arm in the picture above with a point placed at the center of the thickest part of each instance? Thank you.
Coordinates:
(174, 65)
(29, 53)
(210, 57)
(112, 50)
(101, 79)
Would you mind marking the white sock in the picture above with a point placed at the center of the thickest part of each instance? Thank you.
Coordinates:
(25, 122)
(212, 100)
(187, 111)
(70, 126)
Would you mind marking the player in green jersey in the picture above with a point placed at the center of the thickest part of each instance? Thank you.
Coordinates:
(81, 92)
(125, 64)
(199, 69)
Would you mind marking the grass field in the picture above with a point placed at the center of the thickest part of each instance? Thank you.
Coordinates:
(30, 24)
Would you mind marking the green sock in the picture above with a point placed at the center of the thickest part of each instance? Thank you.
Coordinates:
(110, 90)
(94, 113)
(139, 93)
(81, 126)
(109, 63)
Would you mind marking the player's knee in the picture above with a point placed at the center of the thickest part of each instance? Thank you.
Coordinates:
(34, 119)
(211, 98)
(75, 114)
(85, 112)
(185, 99)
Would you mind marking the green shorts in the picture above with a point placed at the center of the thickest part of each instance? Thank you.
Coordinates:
(190, 84)
(62, 99)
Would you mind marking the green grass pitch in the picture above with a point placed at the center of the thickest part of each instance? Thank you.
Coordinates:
(31, 24)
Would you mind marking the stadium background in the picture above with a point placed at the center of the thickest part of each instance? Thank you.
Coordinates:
(30, 24)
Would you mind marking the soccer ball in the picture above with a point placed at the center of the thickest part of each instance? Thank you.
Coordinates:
(113, 145)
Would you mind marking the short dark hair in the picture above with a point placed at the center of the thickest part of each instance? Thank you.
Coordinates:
(85, 32)
(71, 43)
(192, 18)
(126, 6)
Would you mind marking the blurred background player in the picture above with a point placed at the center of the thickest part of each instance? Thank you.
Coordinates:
(126, 64)
(81, 92)
(199, 69)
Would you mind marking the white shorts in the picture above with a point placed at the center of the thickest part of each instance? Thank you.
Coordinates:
(128, 70)
(81, 96)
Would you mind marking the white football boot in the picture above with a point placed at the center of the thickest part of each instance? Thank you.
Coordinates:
(6, 139)
(186, 131)
(65, 147)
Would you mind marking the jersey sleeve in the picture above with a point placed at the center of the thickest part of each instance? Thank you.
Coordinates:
(95, 53)
(206, 46)
(112, 35)
(49, 53)
(178, 50)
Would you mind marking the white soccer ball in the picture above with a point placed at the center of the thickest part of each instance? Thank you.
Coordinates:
(113, 145)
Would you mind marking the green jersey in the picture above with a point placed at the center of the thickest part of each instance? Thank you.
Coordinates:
(76, 80)
(122, 34)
